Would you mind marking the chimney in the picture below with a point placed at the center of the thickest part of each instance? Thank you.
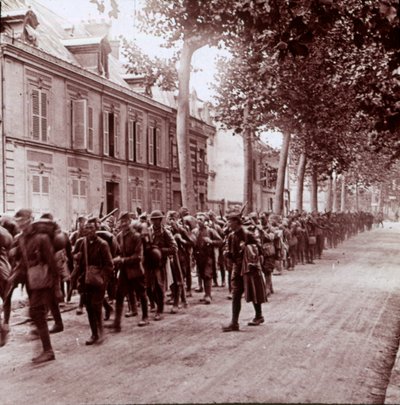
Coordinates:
(97, 28)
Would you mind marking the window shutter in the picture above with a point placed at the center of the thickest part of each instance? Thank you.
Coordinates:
(75, 187)
(106, 139)
(90, 129)
(138, 141)
(83, 188)
(116, 135)
(131, 126)
(158, 147)
(35, 114)
(45, 185)
(36, 184)
(79, 124)
(43, 104)
(150, 141)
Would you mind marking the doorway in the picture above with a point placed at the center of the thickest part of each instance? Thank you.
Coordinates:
(112, 191)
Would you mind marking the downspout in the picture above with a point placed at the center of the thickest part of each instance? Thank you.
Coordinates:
(3, 140)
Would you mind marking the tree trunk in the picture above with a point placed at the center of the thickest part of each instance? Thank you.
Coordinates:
(356, 198)
(248, 168)
(301, 170)
(314, 190)
(380, 200)
(334, 194)
(182, 129)
(329, 195)
(280, 182)
(343, 195)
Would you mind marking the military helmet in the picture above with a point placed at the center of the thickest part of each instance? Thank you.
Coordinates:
(156, 214)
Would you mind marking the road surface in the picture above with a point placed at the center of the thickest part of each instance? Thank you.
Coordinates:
(331, 336)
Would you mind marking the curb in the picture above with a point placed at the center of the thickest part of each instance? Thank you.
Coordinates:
(393, 390)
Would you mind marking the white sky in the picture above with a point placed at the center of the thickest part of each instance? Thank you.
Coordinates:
(203, 59)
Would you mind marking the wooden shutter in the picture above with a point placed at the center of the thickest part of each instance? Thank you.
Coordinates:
(106, 136)
(131, 126)
(138, 142)
(158, 147)
(35, 114)
(150, 146)
(90, 138)
(79, 124)
(43, 108)
(116, 135)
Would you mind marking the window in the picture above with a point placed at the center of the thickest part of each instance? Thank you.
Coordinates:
(272, 177)
(174, 155)
(79, 196)
(156, 197)
(136, 197)
(134, 141)
(40, 193)
(202, 161)
(154, 146)
(110, 134)
(82, 125)
(193, 156)
(39, 114)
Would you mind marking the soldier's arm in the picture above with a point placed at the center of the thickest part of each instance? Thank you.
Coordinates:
(136, 254)
(171, 247)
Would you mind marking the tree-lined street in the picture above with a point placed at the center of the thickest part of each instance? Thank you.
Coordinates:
(331, 335)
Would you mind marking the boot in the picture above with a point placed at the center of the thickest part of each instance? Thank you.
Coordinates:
(47, 355)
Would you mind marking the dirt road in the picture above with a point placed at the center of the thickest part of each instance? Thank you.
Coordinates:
(331, 334)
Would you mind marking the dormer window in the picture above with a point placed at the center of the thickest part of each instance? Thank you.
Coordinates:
(21, 25)
(91, 52)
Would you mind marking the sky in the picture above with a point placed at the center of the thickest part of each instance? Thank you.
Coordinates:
(126, 25)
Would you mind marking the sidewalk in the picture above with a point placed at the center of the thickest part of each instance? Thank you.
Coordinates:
(393, 389)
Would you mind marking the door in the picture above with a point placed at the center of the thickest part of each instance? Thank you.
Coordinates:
(112, 190)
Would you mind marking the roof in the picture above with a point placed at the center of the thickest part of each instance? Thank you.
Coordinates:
(57, 36)
(81, 41)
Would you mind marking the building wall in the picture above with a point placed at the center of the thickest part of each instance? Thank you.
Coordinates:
(226, 177)
(57, 165)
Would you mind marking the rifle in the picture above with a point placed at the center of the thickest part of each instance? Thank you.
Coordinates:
(101, 209)
(109, 214)
(243, 208)
(220, 211)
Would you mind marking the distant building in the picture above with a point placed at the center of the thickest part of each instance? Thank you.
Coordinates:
(226, 172)
(74, 133)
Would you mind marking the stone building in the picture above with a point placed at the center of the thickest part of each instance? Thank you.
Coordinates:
(74, 134)
(226, 172)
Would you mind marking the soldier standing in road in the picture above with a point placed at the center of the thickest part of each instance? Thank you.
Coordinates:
(6, 241)
(207, 239)
(159, 244)
(241, 245)
(131, 271)
(35, 257)
(95, 267)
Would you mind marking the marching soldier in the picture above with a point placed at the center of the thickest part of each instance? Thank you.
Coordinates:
(131, 271)
(159, 245)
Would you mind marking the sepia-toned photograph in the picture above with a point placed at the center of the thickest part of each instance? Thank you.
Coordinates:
(199, 202)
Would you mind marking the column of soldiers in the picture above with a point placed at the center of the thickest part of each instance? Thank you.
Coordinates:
(149, 260)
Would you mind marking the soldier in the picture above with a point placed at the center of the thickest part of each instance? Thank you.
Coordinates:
(244, 251)
(159, 244)
(95, 267)
(75, 235)
(131, 271)
(6, 241)
(207, 239)
(35, 257)
(180, 264)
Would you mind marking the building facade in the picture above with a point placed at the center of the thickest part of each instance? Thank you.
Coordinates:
(226, 172)
(75, 136)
